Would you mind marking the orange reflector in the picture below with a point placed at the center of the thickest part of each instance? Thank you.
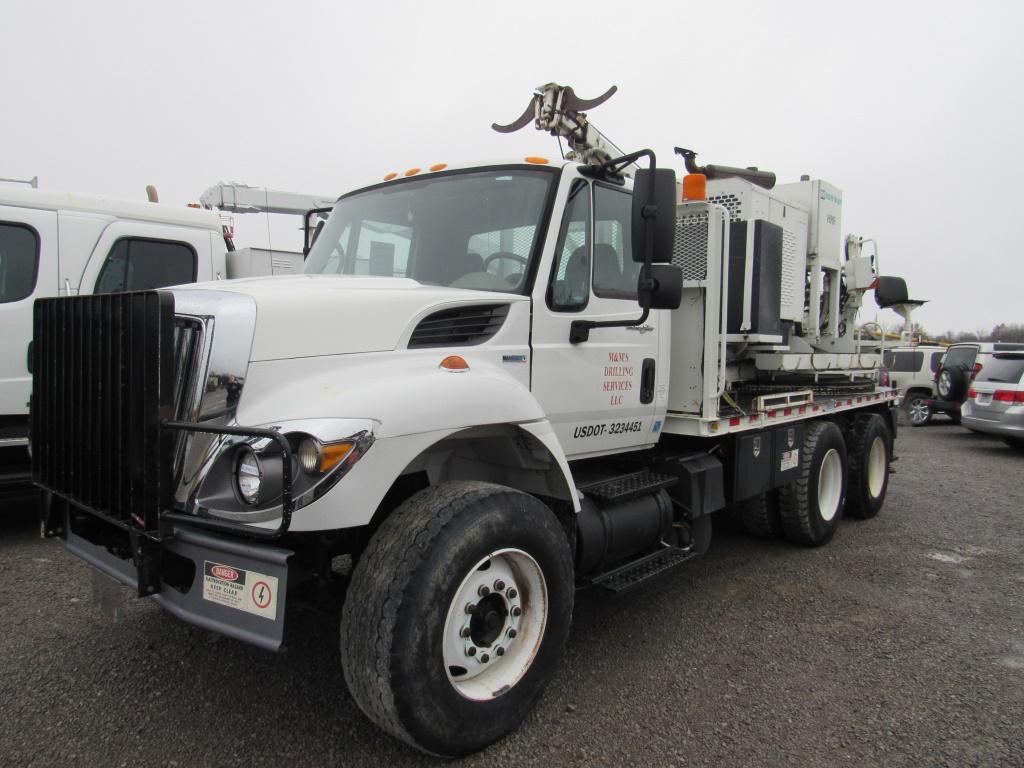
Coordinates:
(454, 363)
(333, 454)
(412, 171)
(438, 166)
(695, 186)
(193, 205)
(390, 176)
(537, 160)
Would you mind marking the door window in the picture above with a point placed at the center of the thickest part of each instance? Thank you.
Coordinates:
(19, 262)
(960, 357)
(135, 264)
(570, 283)
(615, 272)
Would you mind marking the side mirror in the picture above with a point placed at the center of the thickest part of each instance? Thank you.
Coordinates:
(665, 290)
(660, 210)
(307, 220)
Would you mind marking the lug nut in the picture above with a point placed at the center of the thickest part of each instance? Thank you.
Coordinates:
(484, 590)
(471, 651)
(512, 593)
(512, 632)
(517, 611)
(464, 632)
(499, 651)
(484, 658)
(470, 607)
(499, 586)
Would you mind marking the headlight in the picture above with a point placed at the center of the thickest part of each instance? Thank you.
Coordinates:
(249, 475)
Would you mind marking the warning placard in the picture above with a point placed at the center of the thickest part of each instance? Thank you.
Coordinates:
(789, 459)
(240, 589)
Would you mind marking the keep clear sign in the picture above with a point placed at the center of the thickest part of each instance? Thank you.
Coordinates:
(239, 589)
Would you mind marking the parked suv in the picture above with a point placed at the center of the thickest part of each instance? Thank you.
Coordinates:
(961, 365)
(995, 400)
(912, 371)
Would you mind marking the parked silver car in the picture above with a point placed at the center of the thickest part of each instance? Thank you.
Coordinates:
(995, 401)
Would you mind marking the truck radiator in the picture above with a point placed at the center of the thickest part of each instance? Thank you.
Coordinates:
(103, 381)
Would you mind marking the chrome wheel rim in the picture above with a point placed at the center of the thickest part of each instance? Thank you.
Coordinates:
(919, 412)
(495, 624)
(830, 484)
(877, 467)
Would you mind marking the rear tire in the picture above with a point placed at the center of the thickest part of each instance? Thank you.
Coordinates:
(407, 633)
(811, 506)
(918, 411)
(870, 454)
(759, 516)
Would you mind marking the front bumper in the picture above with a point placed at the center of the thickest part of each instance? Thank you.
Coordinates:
(234, 587)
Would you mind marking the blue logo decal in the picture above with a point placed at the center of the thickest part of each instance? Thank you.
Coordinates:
(657, 426)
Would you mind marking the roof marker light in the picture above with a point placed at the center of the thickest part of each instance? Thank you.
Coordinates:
(438, 167)
(455, 364)
(390, 176)
(537, 160)
(412, 171)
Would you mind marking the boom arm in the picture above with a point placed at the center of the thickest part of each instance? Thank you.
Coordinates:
(241, 198)
(559, 111)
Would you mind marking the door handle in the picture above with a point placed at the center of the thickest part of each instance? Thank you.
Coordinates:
(647, 381)
(641, 329)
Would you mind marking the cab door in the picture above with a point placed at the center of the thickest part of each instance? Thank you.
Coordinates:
(600, 395)
(28, 270)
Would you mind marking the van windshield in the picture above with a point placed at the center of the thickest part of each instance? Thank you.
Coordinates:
(477, 230)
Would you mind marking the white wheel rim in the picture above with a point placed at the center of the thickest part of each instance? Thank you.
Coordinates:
(830, 484)
(877, 467)
(918, 410)
(488, 649)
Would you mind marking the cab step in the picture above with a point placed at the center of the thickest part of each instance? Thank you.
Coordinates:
(614, 490)
(628, 577)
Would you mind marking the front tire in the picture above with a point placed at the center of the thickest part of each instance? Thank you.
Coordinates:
(418, 662)
(870, 455)
(810, 507)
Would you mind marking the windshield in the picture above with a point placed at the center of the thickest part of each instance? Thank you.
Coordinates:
(474, 230)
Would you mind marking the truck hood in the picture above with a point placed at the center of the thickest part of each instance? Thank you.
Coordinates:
(317, 315)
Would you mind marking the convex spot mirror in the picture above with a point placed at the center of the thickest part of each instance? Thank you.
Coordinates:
(664, 223)
(667, 290)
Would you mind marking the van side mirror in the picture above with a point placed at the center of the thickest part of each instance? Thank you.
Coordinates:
(664, 289)
(656, 209)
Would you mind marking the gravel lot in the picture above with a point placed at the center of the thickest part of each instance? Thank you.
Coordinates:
(901, 643)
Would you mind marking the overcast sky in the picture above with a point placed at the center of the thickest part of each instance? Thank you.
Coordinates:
(912, 109)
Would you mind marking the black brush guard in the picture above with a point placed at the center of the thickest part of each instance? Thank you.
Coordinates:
(105, 421)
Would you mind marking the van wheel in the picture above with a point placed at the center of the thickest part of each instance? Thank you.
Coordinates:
(457, 616)
(810, 507)
(760, 516)
(918, 410)
(870, 454)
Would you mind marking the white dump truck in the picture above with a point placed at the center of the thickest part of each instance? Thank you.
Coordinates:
(494, 385)
(66, 244)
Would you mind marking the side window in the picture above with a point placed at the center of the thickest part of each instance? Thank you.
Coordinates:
(615, 272)
(570, 282)
(19, 262)
(383, 249)
(137, 264)
(936, 361)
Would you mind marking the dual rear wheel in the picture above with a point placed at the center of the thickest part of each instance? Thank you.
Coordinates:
(837, 475)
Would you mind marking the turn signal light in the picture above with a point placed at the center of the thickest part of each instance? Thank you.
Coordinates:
(333, 454)
(454, 363)
(972, 393)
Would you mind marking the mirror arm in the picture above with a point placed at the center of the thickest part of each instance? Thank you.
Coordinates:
(579, 330)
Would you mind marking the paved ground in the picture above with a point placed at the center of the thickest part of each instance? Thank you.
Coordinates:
(899, 644)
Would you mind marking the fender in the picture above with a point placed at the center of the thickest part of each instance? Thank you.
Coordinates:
(417, 405)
